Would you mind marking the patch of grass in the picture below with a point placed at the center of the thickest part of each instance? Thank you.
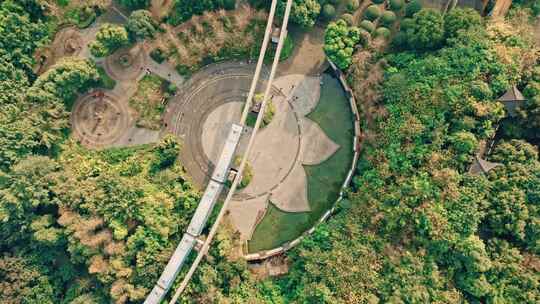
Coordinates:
(247, 176)
(62, 3)
(286, 51)
(278, 227)
(149, 101)
(269, 113)
(334, 116)
(82, 17)
(105, 81)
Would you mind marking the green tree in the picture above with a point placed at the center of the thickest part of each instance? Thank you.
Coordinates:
(303, 12)
(339, 43)
(328, 12)
(141, 25)
(108, 39)
(412, 8)
(20, 35)
(427, 32)
(388, 18)
(460, 19)
(372, 12)
(352, 5)
(136, 4)
(23, 281)
(396, 5)
(25, 190)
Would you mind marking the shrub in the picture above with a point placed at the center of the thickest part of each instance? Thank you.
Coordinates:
(328, 12)
(135, 4)
(339, 42)
(372, 12)
(365, 36)
(400, 40)
(183, 10)
(303, 13)
(85, 17)
(536, 8)
(368, 26)
(378, 1)
(388, 18)
(141, 25)
(352, 5)
(412, 8)
(288, 48)
(105, 81)
(348, 18)
(158, 55)
(396, 5)
(427, 31)
(460, 19)
(108, 39)
(382, 32)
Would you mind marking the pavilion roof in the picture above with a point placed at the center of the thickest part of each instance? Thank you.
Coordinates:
(480, 166)
(513, 94)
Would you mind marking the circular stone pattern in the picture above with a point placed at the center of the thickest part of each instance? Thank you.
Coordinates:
(126, 63)
(68, 42)
(207, 90)
(99, 119)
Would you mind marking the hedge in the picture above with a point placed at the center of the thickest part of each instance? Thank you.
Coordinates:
(396, 5)
(382, 31)
(412, 8)
(348, 18)
(368, 26)
(388, 18)
(372, 12)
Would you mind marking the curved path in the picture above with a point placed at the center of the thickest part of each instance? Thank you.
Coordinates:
(209, 89)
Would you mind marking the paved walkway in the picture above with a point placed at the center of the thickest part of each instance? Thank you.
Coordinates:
(110, 122)
(201, 95)
(308, 56)
(281, 150)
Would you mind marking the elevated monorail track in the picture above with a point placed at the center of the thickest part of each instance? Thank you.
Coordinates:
(219, 176)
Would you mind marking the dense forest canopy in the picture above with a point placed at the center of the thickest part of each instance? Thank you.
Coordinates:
(81, 226)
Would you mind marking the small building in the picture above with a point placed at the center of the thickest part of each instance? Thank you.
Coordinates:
(232, 175)
(511, 100)
(276, 32)
(481, 166)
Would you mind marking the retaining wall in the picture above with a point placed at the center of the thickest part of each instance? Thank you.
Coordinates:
(356, 148)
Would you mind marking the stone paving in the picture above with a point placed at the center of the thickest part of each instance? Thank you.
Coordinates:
(279, 152)
(112, 122)
(197, 99)
(291, 134)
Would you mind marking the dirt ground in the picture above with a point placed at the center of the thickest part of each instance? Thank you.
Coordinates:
(308, 55)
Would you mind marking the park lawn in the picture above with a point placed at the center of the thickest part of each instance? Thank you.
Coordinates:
(333, 114)
(149, 101)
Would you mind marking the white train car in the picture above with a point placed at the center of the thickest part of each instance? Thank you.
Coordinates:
(171, 270)
(227, 154)
(198, 221)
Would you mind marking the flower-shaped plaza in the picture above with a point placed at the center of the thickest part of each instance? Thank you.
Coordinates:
(280, 152)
